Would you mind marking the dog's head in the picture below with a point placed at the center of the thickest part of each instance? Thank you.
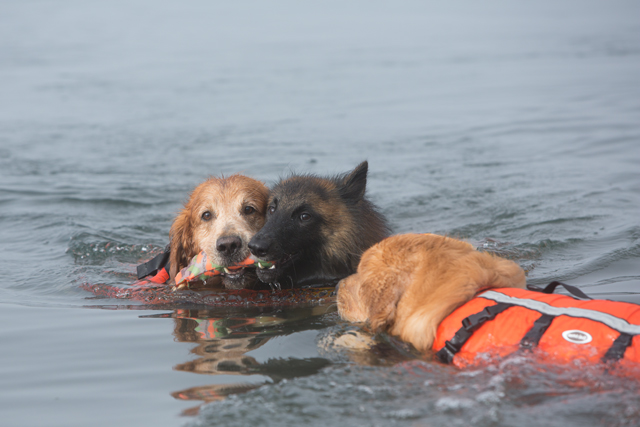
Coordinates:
(220, 218)
(349, 302)
(371, 294)
(311, 229)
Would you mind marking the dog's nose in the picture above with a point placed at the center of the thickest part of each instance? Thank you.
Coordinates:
(228, 245)
(259, 247)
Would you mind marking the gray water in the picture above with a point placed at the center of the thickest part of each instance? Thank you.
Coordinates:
(514, 125)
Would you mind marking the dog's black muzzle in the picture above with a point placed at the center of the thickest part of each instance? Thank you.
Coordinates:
(260, 246)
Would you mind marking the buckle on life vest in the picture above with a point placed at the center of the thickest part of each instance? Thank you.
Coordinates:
(489, 313)
(446, 353)
(469, 326)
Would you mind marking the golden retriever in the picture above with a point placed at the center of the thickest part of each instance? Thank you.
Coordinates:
(220, 217)
(407, 284)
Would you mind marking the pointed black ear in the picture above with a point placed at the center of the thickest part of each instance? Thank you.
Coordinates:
(354, 184)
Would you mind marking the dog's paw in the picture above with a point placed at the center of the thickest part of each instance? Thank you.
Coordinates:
(341, 340)
(354, 340)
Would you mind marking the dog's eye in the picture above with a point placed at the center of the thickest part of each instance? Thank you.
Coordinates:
(305, 216)
(206, 216)
(272, 209)
(248, 210)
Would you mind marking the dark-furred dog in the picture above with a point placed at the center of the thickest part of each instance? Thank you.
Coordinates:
(317, 229)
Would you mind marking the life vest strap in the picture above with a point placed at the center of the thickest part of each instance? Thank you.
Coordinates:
(619, 324)
(155, 264)
(532, 338)
(469, 325)
(617, 349)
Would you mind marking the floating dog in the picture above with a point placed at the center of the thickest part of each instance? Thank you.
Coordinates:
(220, 218)
(440, 293)
(317, 229)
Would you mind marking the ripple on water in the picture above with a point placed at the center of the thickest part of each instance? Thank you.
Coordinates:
(97, 252)
(515, 392)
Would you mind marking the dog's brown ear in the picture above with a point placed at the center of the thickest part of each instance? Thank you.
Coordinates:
(354, 184)
(182, 243)
(381, 294)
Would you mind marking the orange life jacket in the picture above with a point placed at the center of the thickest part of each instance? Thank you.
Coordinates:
(559, 328)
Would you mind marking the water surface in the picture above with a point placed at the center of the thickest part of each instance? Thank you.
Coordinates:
(515, 126)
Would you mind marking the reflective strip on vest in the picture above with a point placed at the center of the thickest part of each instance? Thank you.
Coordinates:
(611, 321)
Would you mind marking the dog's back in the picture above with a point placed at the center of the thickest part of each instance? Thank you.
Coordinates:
(407, 284)
(440, 293)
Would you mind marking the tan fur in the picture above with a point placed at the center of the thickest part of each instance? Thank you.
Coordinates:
(407, 284)
(225, 199)
(339, 229)
(339, 232)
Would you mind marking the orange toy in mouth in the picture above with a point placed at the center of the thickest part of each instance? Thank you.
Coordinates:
(201, 267)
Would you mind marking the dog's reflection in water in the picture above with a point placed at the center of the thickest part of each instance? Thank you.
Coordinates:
(224, 338)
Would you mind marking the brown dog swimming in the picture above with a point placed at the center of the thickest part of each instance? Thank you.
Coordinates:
(220, 218)
(317, 228)
(407, 284)
(440, 293)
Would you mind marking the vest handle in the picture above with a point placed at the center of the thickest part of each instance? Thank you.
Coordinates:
(551, 287)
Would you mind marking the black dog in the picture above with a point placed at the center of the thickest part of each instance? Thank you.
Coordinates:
(317, 229)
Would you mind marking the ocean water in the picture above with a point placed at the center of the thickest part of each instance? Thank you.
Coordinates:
(513, 125)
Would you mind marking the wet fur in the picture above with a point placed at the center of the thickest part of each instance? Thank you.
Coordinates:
(407, 284)
(326, 247)
(226, 200)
